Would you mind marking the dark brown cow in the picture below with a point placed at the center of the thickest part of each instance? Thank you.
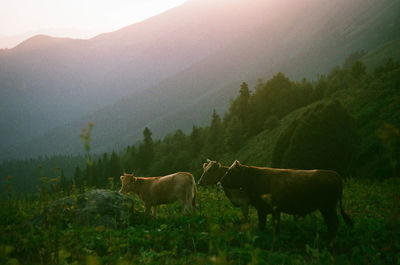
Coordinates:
(296, 192)
(162, 190)
(212, 174)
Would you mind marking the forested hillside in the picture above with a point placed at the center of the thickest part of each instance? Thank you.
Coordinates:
(347, 120)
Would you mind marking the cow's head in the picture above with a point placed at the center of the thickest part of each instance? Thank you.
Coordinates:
(232, 178)
(127, 183)
(211, 173)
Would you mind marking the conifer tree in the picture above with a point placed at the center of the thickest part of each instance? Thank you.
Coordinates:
(114, 168)
(215, 139)
(146, 150)
(195, 140)
(234, 136)
(358, 69)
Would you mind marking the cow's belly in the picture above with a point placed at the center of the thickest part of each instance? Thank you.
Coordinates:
(301, 211)
(237, 197)
(157, 199)
(302, 205)
(166, 200)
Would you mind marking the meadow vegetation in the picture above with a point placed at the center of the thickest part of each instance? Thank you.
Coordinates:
(215, 235)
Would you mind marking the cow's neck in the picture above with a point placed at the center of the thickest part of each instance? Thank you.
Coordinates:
(221, 172)
(253, 172)
(142, 187)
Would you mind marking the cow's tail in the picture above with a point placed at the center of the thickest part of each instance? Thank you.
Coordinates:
(346, 218)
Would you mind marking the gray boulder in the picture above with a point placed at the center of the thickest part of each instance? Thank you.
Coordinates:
(97, 207)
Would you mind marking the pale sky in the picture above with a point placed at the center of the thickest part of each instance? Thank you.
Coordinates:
(20, 19)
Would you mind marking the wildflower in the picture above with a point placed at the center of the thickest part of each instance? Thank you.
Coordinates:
(63, 254)
(44, 179)
(93, 260)
(99, 228)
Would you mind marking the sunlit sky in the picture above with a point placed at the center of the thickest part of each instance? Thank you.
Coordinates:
(73, 18)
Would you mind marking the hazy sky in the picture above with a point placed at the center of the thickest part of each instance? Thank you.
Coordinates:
(74, 18)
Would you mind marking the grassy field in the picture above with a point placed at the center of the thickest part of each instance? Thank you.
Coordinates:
(215, 235)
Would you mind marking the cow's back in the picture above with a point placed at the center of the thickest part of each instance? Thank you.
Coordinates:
(172, 187)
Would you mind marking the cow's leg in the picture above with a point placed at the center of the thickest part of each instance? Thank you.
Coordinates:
(245, 212)
(186, 206)
(147, 209)
(331, 220)
(276, 221)
(262, 218)
(194, 204)
(187, 201)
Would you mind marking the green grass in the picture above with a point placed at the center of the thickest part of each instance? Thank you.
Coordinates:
(215, 235)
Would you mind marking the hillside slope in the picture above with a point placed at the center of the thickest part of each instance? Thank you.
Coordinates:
(300, 38)
(379, 55)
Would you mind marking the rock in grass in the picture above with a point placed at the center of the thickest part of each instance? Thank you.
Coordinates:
(97, 207)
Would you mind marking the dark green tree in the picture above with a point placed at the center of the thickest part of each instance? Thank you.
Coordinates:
(146, 151)
(114, 169)
(234, 134)
(215, 138)
(130, 160)
(78, 179)
(196, 141)
(275, 97)
(240, 106)
(358, 69)
(65, 185)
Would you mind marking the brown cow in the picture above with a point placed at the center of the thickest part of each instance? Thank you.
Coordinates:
(162, 190)
(212, 174)
(296, 192)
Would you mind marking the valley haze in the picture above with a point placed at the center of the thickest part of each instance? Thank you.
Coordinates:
(170, 71)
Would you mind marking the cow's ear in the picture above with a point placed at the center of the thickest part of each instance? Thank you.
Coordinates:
(122, 177)
(204, 165)
(219, 165)
(208, 160)
(237, 163)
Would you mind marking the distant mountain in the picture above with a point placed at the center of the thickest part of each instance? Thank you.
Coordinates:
(47, 82)
(170, 71)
